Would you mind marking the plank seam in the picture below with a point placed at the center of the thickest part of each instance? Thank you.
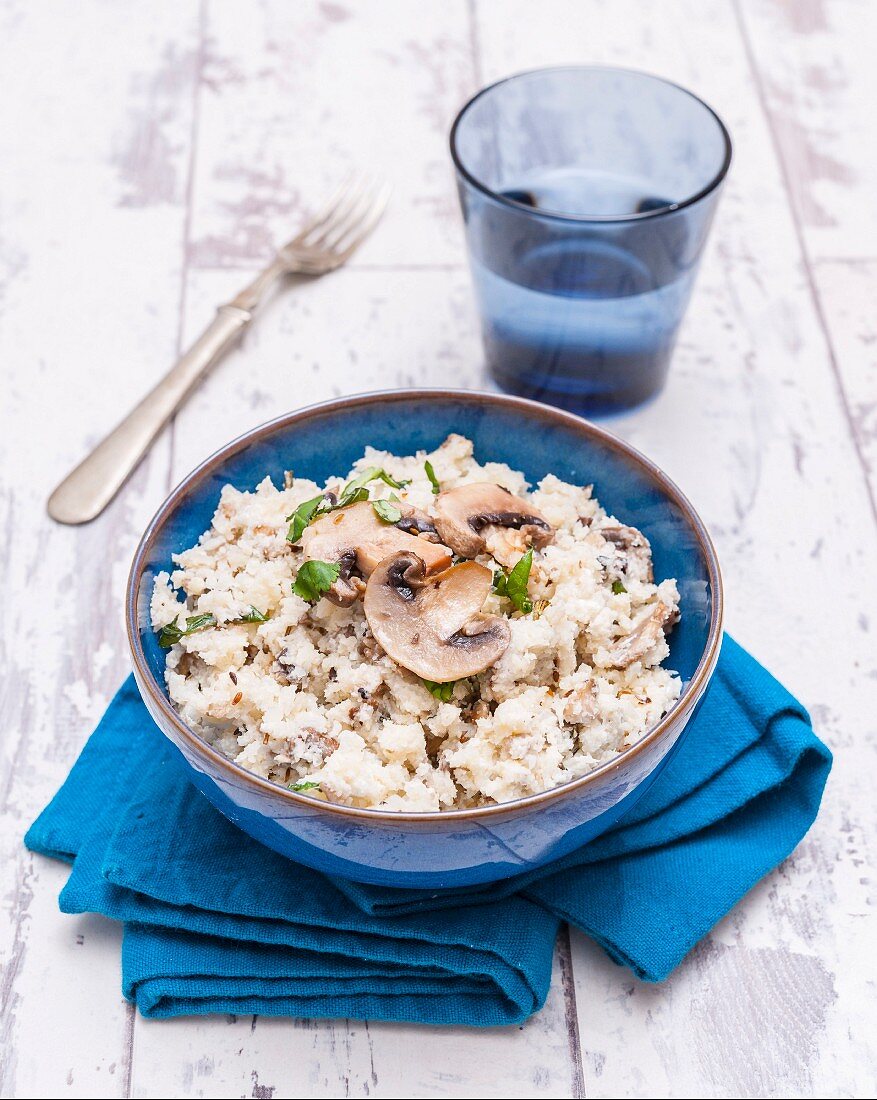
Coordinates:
(128, 1067)
(571, 1014)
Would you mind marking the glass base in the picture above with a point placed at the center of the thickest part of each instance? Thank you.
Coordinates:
(579, 395)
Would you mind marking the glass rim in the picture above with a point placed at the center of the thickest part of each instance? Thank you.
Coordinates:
(554, 215)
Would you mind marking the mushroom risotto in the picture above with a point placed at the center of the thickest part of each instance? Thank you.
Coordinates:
(428, 633)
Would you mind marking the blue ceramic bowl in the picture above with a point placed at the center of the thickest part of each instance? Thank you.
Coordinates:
(459, 847)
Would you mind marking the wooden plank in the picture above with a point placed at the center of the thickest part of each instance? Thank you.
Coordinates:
(815, 64)
(353, 331)
(846, 289)
(753, 426)
(295, 96)
(814, 69)
(94, 141)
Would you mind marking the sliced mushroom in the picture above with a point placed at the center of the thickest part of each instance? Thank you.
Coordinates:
(634, 549)
(480, 516)
(433, 625)
(417, 523)
(642, 638)
(346, 588)
(357, 538)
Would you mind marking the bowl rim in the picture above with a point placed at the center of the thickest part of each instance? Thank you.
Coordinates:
(685, 702)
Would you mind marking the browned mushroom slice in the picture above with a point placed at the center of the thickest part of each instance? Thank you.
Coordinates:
(642, 638)
(433, 625)
(467, 517)
(357, 538)
(417, 523)
(346, 589)
(633, 548)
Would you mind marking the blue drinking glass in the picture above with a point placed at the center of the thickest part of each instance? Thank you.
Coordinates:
(587, 195)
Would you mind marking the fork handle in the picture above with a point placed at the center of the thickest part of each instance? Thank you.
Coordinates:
(88, 489)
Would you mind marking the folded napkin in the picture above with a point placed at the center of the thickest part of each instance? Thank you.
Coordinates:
(214, 922)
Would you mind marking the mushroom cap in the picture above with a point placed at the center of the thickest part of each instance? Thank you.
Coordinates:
(465, 513)
(433, 625)
(357, 538)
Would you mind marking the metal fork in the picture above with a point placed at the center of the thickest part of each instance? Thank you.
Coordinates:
(327, 242)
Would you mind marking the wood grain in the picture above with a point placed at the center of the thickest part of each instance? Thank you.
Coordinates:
(153, 154)
(815, 76)
(95, 144)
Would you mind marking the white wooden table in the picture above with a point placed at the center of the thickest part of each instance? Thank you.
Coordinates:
(149, 155)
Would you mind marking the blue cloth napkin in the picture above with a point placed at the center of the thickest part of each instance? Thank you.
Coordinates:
(214, 922)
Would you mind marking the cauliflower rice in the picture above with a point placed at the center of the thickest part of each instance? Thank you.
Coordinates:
(309, 699)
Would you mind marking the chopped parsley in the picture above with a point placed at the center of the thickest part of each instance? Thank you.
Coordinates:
(386, 511)
(372, 473)
(315, 578)
(353, 492)
(433, 480)
(618, 588)
(169, 635)
(513, 585)
(305, 785)
(254, 615)
(443, 692)
(350, 496)
(303, 515)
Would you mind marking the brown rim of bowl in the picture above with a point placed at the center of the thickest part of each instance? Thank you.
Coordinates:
(684, 703)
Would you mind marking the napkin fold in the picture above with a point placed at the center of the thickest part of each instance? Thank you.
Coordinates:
(214, 922)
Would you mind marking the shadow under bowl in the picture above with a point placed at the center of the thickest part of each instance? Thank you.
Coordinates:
(458, 847)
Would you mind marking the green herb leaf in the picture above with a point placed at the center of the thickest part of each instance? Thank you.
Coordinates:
(169, 635)
(433, 480)
(386, 511)
(315, 578)
(373, 473)
(618, 588)
(513, 585)
(443, 692)
(350, 496)
(252, 616)
(306, 785)
(302, 516)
